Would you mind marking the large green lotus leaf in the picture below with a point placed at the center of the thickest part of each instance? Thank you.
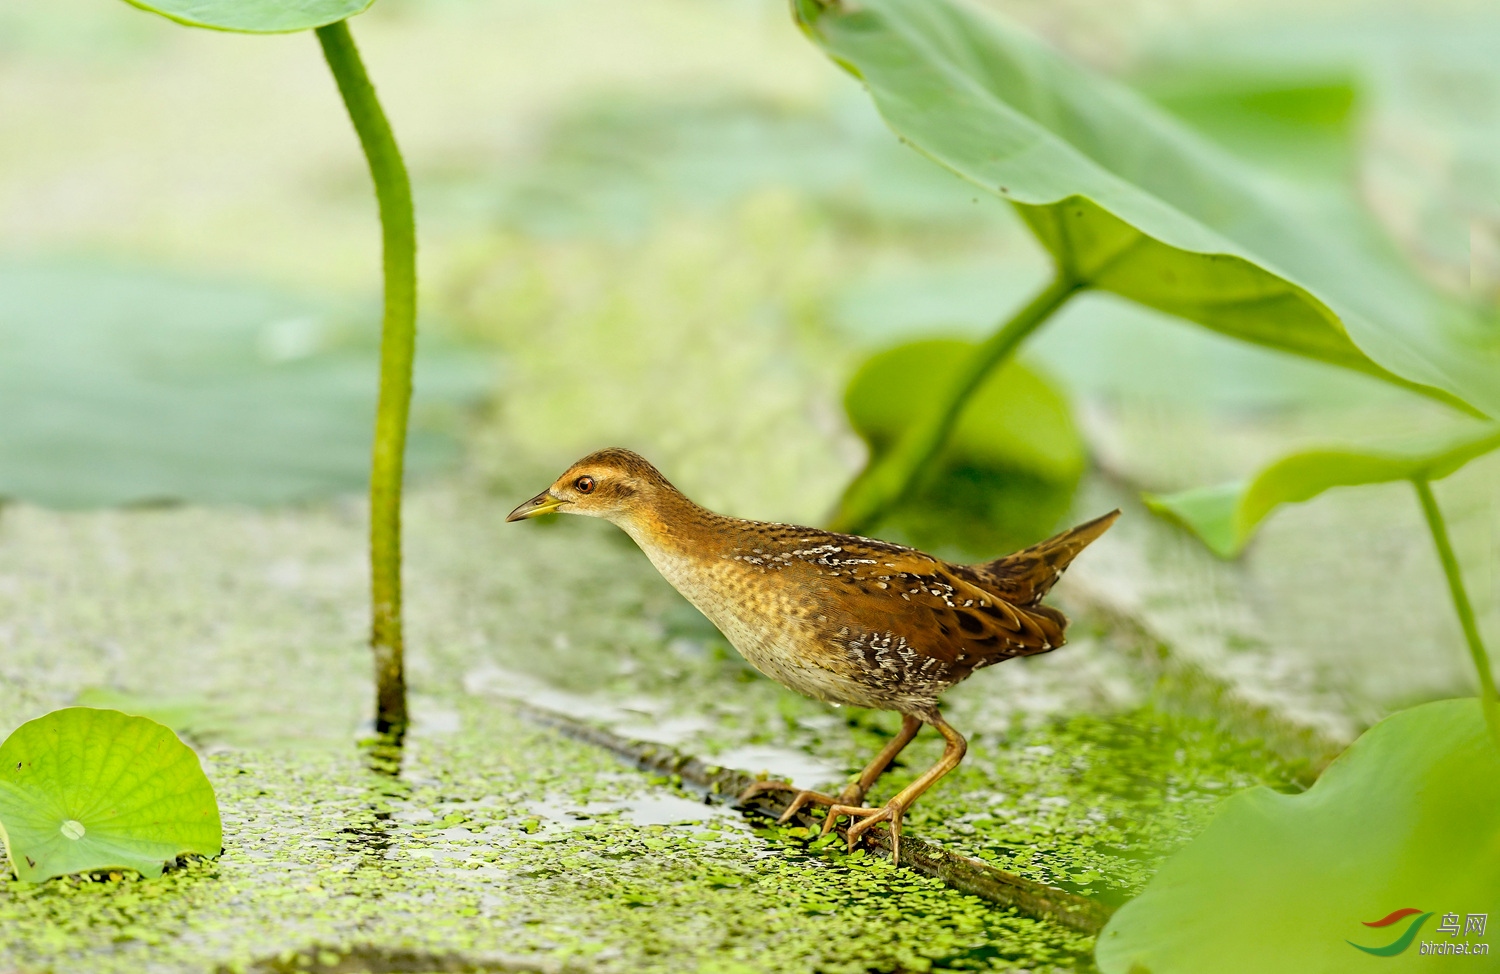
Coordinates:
(1132, 200)
(1226, 516)
(121, 386)
(1300, 124)
(84, 790)
(1407, 819)
(1101, 345)
(255, 16)
(1007, 472)
(1426, 71)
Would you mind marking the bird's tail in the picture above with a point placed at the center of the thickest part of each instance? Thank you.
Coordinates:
(1023, 578)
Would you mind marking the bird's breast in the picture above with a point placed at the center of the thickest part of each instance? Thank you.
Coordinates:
(773, 620)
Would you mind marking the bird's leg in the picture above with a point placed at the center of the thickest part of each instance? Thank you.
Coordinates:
(854, 791)
(893, 810)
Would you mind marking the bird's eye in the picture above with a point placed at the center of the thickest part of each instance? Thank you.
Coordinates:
(584, 485)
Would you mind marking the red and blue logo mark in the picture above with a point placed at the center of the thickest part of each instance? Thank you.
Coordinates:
(1400, 943)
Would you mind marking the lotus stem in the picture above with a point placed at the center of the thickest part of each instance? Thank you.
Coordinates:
(397, 349)
(1435, 524)
(888, 481)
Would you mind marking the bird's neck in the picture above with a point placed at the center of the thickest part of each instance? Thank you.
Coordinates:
(674, 532)
(671, 524)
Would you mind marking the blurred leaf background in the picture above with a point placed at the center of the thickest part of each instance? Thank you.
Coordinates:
(125, 385)
(673, 226)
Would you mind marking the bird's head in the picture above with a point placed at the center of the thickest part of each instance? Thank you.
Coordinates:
(614, 484)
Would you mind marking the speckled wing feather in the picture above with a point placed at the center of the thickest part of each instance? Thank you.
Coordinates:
(907, 602)
(902, 624)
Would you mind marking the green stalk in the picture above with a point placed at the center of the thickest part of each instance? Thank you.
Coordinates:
(1435, 524)
(888, 481)
(397, 348)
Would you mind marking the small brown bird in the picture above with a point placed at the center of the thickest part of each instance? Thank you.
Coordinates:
(845, 619)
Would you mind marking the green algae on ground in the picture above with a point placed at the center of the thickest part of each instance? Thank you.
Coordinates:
(499, 838)
(722, 785)
(1089, 804)
(454, 858)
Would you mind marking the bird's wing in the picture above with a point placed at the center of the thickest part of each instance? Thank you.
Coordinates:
(940, 610)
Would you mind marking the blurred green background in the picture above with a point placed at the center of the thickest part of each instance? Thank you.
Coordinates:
(672, 225)
(668, 225)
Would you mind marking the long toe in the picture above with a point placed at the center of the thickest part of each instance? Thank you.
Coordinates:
(897, 814)
(869, 817)
(837, 811)
(762, 787)
(865, 817)
(801, 800)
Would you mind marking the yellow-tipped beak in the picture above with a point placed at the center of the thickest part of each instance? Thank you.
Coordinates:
(543, 503)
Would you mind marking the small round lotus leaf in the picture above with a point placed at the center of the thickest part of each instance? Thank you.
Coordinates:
(84, 790)
(255, 16)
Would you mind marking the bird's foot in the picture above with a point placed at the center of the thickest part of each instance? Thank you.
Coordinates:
(800, 800)
(863, 819)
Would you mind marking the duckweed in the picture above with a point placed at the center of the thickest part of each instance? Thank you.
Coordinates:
(320, 852)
